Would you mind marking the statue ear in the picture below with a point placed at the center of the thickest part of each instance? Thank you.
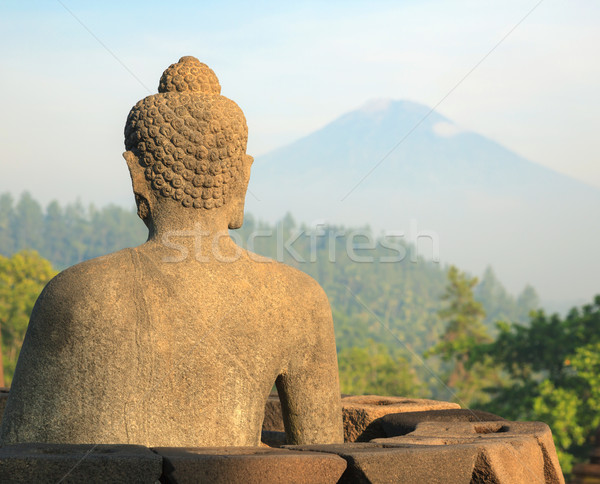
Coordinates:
(247, 161)
(132, 162)
(139, 183)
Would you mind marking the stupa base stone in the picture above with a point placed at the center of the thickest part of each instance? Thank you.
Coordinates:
(250, 465)
(432, 446)
(493, 452)
(76, 463)
(377, 463)
(361, 414)
(3, 399)
(404, 423)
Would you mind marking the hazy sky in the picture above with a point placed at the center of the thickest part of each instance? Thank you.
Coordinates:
(292, 67)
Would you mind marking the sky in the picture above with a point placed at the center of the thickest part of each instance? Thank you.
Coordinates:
(524, 73)
(71, 70)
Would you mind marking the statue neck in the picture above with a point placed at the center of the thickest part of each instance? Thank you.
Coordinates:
(197, 234)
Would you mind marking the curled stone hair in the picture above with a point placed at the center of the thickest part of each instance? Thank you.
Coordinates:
(189, 139)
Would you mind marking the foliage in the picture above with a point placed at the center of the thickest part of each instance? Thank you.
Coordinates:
(464, 328)
(553, 366)
(374, 369)
(500, 305)
(395, 304)
(22, 278)
(386, 315)
(66, 235)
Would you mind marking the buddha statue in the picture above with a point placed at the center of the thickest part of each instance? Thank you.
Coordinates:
(178, 342)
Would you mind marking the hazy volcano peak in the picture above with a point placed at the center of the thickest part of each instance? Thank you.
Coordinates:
(391, 114)
(376, 105)
(391, 161)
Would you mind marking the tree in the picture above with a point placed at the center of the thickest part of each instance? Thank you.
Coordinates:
(404, 297)
(554, 368)
(55, 242)
(22, 278)
(465, 329)
(7, 242)
(496, 301)
(527, 302)
(500, 305)
(28, 223)
(373, 369)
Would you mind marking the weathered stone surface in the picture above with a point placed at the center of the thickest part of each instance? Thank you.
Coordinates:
(29, 463)
(172, 343)
(507, 451)
(404, 423)
(250, 465)
(373, 463)
(273, 421)
(3, 400)
(511, 461)
(492, 452)
(361, 413)
(273, 439)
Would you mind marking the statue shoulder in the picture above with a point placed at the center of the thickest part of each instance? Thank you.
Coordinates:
(304, 291)
(94, 280)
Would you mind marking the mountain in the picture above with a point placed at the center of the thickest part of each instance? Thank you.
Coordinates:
(460, 195)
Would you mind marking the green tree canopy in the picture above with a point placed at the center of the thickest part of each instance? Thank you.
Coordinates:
(464, 329)
(402, 297)
(553, 366)
(374, 369)
(22, 278)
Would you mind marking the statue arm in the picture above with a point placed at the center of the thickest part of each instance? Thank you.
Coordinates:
(38, 373)
(309, 387)
(63, 374)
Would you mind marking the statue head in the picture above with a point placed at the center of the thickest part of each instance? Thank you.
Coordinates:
(186, 148)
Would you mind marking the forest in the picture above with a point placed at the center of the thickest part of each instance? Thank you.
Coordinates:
(404, 325)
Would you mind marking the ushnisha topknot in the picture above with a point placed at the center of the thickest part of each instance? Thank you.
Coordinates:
(189, 139)
(189, 75)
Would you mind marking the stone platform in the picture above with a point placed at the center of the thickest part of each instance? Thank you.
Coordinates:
(449, 445)
(361, 413)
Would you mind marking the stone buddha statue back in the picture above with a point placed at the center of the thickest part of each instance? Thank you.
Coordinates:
(179, 341)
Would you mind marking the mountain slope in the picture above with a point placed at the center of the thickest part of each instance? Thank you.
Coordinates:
(481, 203)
